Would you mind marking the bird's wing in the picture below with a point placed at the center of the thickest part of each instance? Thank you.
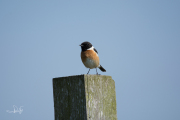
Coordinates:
(95, 50)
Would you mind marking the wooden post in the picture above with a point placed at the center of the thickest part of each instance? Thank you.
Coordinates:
(84, 97)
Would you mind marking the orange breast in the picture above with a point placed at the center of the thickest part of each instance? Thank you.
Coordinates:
(93, 60)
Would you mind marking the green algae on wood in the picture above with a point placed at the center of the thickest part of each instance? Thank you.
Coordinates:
(84, 97)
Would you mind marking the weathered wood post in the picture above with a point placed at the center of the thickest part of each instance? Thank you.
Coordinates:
(84, 97)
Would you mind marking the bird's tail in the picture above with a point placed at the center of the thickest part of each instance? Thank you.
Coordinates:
(102, 69)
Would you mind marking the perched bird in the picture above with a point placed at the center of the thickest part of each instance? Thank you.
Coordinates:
(89, 57)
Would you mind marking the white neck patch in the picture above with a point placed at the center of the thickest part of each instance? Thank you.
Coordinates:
(92, 48)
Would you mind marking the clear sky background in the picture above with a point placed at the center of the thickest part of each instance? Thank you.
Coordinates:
(138, 42)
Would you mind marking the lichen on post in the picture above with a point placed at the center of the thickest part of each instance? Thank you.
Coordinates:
(84, 97)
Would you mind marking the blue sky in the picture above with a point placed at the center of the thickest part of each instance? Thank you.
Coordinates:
(138, 44)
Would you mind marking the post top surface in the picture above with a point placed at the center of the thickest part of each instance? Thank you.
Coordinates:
(83, 75)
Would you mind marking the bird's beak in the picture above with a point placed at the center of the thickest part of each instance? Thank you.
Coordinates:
(80, 45)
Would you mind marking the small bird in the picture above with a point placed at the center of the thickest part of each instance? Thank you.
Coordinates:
(89, 57)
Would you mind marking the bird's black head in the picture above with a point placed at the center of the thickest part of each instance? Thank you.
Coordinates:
(85, 45)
